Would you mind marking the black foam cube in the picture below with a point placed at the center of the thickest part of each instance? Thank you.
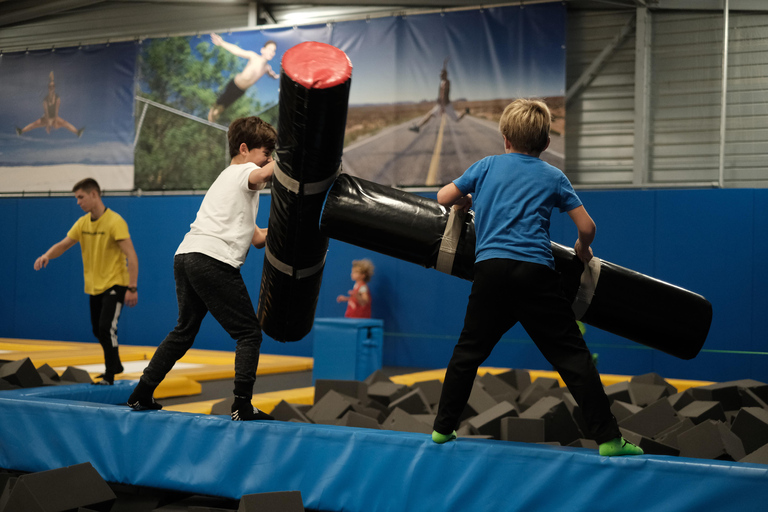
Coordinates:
(285, 411)
(59, 490)
(76, 375)
(413, 402)
(559, 424)
(525, 430)
(488, 422)
(584, 443)
(331, 407)
(284, 501)
(401, 421)
(652, 420)
(711, 440)
(21, 373)
(352, 388)
(751, 425)
(699, 411)
(750, 399)
(727, 393)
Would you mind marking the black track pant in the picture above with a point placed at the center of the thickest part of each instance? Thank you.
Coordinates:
(105, 312)
(205, 284)
(505, 292)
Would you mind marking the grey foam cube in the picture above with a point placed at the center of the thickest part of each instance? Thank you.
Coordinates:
(351, 388)
(669, 436)
(74, 374)
(646, 394)
(354, 419)
(285, 411)
(759, 456)
(559, 424)
(652, 419)
(584, 443)
(386, 392)
(284, 501)
(377, 376)
(711, 440)
(401, 421)
(488, 422)
(331, 407)
(413, 402)
(619, 391)
(622, 410)
(518, 379)
(654, 378)
(525, 430)
(21, 373)
(727, 393)
(431, 389)
(751, 426)
(699, 411)
(680, 400)
(497, 387)
(479, 401)
(649, 446)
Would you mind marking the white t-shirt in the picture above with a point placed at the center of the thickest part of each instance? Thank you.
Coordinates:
(223, 228)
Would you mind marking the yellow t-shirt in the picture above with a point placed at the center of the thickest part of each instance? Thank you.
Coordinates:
(104, 264)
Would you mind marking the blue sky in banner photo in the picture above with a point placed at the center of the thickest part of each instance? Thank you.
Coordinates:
(95, 84)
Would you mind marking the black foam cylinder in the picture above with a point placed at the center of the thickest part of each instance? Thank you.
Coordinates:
(412, 228)
(314, 91)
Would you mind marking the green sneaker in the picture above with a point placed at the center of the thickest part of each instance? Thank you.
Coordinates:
(619, 446)
(443, 438)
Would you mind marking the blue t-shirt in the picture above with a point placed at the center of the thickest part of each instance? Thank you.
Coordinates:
(513, 196)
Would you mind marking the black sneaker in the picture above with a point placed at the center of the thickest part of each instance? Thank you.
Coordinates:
(138, 406)
(250, 414)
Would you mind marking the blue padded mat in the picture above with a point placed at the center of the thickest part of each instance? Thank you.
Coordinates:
(350, 469)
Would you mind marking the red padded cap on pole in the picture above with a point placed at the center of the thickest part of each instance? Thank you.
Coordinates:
(317, 65)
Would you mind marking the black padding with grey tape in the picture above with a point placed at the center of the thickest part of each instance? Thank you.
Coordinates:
(292, 185)
(289, 270)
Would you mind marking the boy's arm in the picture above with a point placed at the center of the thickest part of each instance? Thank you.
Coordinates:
(55, 251)
(587, 229)
(450, 195)
(271, 72)
(231, 48)
(259, 239)
(131, 298)
(260, 176)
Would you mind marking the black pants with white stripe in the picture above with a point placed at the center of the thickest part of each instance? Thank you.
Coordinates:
(105, 312)
(204, 284)
(505, 292)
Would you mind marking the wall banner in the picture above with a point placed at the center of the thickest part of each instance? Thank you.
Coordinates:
(67, 114)
(427, 92)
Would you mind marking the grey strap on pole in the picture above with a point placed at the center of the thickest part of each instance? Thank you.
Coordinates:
(318, 187)
(289, 270)
(450, 241)
(587, 287)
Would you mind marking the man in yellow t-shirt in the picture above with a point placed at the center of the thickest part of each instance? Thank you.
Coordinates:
(105, 245)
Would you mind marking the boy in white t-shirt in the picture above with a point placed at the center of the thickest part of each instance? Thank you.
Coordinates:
(207, 264)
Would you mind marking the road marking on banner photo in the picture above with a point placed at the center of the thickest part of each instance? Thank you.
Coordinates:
(435, 163)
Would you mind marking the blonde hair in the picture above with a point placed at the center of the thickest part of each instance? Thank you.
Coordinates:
(365, 267)
(525, 124)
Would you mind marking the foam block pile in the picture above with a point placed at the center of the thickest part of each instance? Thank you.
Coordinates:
(81, 488)
(724, 421)
(23, 374)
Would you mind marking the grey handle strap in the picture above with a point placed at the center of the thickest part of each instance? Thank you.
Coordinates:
(450, 241)
(289, 270)
(587, 287)
(317, 187)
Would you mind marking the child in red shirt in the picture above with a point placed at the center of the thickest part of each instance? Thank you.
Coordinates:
(359, 298)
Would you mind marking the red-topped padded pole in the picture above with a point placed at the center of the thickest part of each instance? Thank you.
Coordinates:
(314, 91)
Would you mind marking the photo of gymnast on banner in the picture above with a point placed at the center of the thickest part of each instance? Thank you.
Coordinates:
(426, 94)
(67, 114)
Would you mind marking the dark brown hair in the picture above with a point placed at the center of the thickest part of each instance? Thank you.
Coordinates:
(87, 185)
(252, 131)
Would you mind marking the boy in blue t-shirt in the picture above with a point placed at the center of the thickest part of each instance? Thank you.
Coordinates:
(514, 274)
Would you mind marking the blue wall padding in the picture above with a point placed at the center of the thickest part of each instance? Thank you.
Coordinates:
(712, 242)
(347, 348)
(350, 469)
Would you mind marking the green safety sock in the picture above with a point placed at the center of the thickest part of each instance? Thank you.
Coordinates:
(619, 446)
(443, 438)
